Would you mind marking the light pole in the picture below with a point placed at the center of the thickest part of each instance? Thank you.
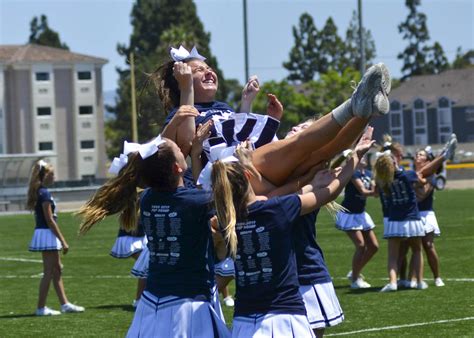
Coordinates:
(361, 39)
(246, 53)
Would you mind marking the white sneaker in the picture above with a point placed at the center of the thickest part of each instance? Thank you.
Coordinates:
(71, 308)
(413, 284)
(422, 285)
(349, 275)
(135, 303)
(389, 288)
(449, 149)
(363, 97)
(46, 311)
(229, 301)
(359, 283)
(439, 282)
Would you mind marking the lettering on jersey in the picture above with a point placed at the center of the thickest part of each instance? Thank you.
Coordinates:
(253, 262)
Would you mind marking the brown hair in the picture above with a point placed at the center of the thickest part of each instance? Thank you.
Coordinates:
(38, 173)
(384, 170)
(119, 194)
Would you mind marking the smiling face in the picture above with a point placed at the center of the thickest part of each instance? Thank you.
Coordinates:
(205, 81)
(420, 158)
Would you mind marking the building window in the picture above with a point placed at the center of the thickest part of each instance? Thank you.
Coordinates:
(85, 75)
(89, 144)
(43, 111)
(84, 89)
(86, 125)
(86, 110)
(42, 76)
(396, 121)
(445, 125)
(45, 146)
(43, 91)
(469, 114)
(419, 122)
(88, 158)
(44, 126)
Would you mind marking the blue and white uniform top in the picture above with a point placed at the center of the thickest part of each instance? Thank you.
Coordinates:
(353, 200)
(427, 203)
(177, 226)
(310, 262)
(401, 202)
(44, 196)
(265, 264)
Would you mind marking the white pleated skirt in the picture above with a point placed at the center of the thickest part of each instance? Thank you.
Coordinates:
(174, 317)
(140, 268)
(412, 228)
(271, 325)
(348, 222)
(430, 222)
(225, 268)
(44, 240)
(216, 304)
(126, 246)
(322, 306)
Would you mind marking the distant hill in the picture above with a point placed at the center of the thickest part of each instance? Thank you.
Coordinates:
(109, 100)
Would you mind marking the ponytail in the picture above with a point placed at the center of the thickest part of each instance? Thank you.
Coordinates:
(118, 195)
(231, 189)
(38, 172)
(384, 169)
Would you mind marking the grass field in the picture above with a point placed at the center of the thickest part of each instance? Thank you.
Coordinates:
(102, 284)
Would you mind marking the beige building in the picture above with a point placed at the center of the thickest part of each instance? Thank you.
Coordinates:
(51, 104)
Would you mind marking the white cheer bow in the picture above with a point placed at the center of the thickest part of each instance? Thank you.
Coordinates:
(42, 164)
(221, 153)
(145, 150)
(182, 54)
(383, 153)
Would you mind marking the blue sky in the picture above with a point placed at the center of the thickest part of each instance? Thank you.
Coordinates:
(94, 27)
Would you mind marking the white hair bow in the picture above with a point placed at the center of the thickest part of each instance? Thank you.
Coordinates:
(42, 164)
(221, 153)
(383, 153)
(182, 54)
(145, 150)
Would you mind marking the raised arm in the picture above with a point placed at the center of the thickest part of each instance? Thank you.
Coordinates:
(202, 133)
(250, 91)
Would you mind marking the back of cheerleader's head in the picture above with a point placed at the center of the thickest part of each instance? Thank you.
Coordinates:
(384, 169)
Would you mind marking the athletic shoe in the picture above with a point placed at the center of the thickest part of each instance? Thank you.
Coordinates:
(349, 276)
(362, 99)
(71, 308)
(449, 149)
(229, 301)
(389, 288)
(381, 104)
(46, 311)
(135, 303)
(439, 282)
(413, 284)
(404, 283)
(422, 285)
(359, 283)
(386, 78)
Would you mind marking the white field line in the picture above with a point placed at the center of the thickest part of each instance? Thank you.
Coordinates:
(400, 326)
(21, 260)
(40, 275)
(444, 279)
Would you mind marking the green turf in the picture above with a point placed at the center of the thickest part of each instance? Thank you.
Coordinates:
(90, 278)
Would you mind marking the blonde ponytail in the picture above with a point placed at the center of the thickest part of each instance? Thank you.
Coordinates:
(38, 172)
(384, 170)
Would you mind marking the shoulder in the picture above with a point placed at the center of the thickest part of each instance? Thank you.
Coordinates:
(44, 193)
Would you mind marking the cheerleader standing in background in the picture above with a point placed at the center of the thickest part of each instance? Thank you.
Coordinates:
(131, 244)
(357, 223)
(258, 231)
(47, 238)
(396, 187)
(176, 219)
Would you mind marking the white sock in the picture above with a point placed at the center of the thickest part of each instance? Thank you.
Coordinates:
(343, 113)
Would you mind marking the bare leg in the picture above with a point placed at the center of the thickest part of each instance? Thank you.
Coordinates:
(277, 160)
(57, 278)
(319, 333)
(343, 140)
(415, 244)
(46, 280)
(371, 247)
(358, 239)
(402, 260)
(431, 254)
(222, 283)
(141, 284)
(392, 265)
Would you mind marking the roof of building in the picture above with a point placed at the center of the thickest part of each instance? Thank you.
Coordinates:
(455, 84)
(32, 53)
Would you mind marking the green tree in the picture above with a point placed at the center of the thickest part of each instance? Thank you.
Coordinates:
(331, 49)
(42, 34)
(352, 44)
(415, 31)
(303, 62)
(463, 60)
(437, 61)
(157, 25)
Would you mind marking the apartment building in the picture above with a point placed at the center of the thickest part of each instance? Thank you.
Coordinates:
(51, 104)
